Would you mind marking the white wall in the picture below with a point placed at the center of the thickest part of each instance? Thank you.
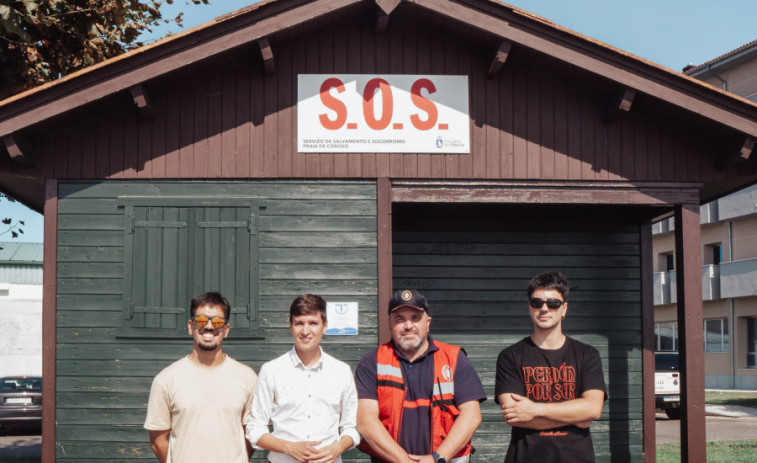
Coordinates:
(21, 324)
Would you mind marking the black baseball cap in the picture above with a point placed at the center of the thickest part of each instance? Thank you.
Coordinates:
(408, 298)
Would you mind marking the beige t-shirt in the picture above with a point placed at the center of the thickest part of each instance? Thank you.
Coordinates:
(205, 409)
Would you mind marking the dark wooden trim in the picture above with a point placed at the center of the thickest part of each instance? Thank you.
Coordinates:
(142, 102)
(19, 150)
(500, 21)
(690, 328)
(742, 154)
(499, 59)
(545, 192)
(266, 52)
(618, 107)
(49, 309)
(156, 62)
(648, 343)
(384, 213)
(385, 8)
(585, 55)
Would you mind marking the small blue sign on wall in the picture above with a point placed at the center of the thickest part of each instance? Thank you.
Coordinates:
(342, 318)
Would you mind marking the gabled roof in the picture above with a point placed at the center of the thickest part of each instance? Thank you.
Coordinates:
(746, 52)
(250, 24)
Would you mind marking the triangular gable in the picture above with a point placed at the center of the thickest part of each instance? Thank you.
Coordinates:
(261, 20)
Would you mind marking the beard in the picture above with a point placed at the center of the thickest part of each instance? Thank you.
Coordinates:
(409, 344)
(208, 347)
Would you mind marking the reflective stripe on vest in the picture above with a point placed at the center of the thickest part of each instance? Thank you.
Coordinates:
(391, 396)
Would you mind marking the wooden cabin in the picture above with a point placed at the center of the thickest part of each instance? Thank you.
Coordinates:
(346, 148)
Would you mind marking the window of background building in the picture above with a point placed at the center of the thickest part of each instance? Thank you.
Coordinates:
(713, 254)
(716, 335)
(666, 336)
(751, 355)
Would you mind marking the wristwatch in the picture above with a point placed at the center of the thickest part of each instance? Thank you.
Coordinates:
(438, 458)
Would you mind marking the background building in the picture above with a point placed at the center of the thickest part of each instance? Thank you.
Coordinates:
(21, 309)
(729, 256)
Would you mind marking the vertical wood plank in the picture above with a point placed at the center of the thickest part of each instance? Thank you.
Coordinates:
(588, 120)
(229, 98)
(520, 126)
(326, 161)
(547, 128)
(648, 342)
(384, 250)
(215, 110)
(144, 149)
(628, 148)
(438, 56)
(507, 157)
(186, 149)
(353, 58)
(287, 87)
(533, 129)
(173, 131)
(410, 66)
(395, 58)
(691, 336)
(340, 65)
(200, 139)
(453, 166)
(159, 134)
(243, 122)
(423, 40)
(313, 59)
(49, 319)
(561, 129)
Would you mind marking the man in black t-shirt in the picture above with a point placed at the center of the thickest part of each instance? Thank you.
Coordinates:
(550, 386)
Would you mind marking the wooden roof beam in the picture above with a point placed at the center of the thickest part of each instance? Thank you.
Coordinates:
(618, 107)
(385, 8)
(142, 102)
(499, 59)
(739, 156)
(19, 150)
(266, 52)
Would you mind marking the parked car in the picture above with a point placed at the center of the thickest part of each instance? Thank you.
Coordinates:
(20, 402)
(667, 387)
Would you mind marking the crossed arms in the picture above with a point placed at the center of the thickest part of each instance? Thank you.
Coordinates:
(524, 413)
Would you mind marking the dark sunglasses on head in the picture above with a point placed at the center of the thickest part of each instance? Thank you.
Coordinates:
(202, 320)
(537, 303)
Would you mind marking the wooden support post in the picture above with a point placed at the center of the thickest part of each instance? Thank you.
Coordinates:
(19, 150)
(49, 315)
(385, 284)
(741, 154)
(619, 106)
(648, 344)
(499, 58)
(385, 8)
(691, 332)
(266, 52)
(142, 102)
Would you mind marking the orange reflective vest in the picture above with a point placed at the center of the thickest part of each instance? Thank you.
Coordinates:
(391, 395)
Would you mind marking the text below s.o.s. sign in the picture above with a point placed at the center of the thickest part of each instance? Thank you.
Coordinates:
(358, 113)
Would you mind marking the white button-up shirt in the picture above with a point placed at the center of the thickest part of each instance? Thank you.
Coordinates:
(304, 404)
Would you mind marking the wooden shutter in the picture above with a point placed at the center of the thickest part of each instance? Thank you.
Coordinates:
(175, 251)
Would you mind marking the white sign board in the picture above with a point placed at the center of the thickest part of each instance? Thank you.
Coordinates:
(389, 113)
(342, 318)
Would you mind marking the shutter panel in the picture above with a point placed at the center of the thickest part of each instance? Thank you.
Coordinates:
(155, 289)
(175, 251)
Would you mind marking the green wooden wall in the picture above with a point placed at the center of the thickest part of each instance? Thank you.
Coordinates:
(474, 263)
(318, 237)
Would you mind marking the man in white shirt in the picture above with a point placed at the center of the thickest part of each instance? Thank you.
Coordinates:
(307, 395)
(198, 404)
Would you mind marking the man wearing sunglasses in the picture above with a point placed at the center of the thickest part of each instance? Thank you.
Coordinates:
(199, 403)
(550, 386)
(307, 395)
(418, 398)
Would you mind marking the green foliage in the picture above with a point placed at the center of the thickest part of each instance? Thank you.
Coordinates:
(42, 40)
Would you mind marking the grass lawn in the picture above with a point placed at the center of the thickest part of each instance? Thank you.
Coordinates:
(725, 451)
(745, 399)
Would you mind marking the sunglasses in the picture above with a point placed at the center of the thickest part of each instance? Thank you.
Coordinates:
(537, 303)
(202, 320)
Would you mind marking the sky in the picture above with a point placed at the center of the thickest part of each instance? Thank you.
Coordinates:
(672, 33)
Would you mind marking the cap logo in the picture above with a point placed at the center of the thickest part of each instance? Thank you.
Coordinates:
(406, 295)
(447, 372)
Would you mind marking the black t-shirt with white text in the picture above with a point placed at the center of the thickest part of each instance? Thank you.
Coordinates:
(549, 376)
